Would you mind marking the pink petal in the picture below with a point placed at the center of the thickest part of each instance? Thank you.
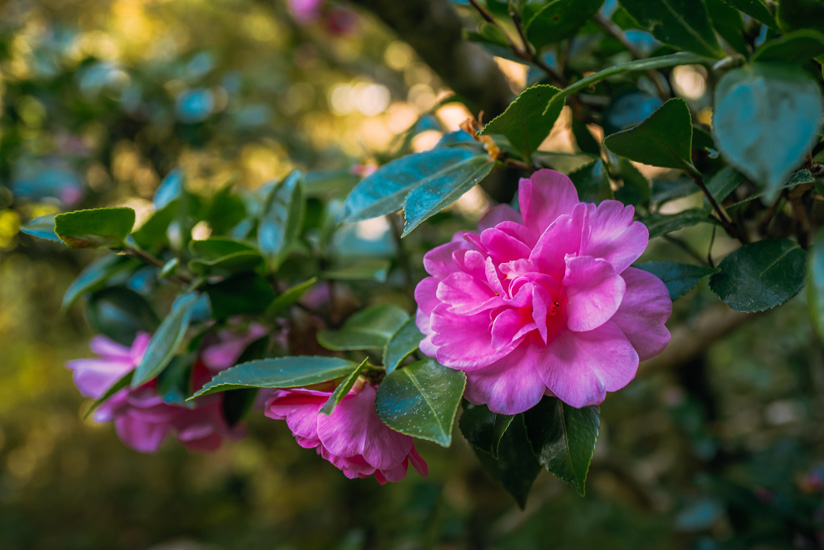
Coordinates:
(139, 346)
(230, 346)
(594, 291)
(93, 377)
(300, 410)
(498, 214)
(645, 309)
(464, 341)
(511, 385)
(471, 262)
(510, 326)
(426, 295)
(463, 293)
(581, 367)
(142, 436)
(418, 462)
(614, 236)
(544, 197)
(100, 345)
(566, 236)
(503, 247)
(438, 261)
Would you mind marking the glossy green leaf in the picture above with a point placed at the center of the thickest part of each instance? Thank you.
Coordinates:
(484, 429)
(280, 372)
(342, 390)
(680, 278)
(761, 275)
(661, 224)
(120, 314)
(683, 24)
(557, 20)
(367, 269)
(166, 340)
(289, 298)
(95, 276)
(223, 256)
(116, 387)
(96, 228)
(563, 439)
(766, 120)
(592, 182)
(384, 191)
(282, 218)
(370, 328)
(152, 235)
(795, 47)
(755, 9)
(401, 345)
(421, 400)
(584, 138)
(815, 286)
(516, 466)
(244, 294)
(42, 228)
(723, 183)
(528, 120)
(664, 139)
(237, 403)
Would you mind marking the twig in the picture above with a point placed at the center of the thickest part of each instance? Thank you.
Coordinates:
(148, 258)
(723, 217)
(710, 261)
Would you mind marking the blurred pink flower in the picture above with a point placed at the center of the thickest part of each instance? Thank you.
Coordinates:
(336, 20)
(222, 349)
(543, 302)
(141, 417)
(352, 438)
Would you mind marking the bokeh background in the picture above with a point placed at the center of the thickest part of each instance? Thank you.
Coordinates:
(101, 99)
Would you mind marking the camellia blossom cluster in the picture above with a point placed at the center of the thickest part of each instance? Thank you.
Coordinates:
(352, 438)
(544, 302)
(142, 419)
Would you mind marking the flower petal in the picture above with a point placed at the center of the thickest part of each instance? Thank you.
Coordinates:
(438, 261)
(300, 410)
(593, 290)
(426, 295)
(142, 436)
(464, 341)
(502, 247)
(544, 197)
(512, 384)
(464, 294)
(614, 236)
(643, 312)
(498, 214)
(94, 376)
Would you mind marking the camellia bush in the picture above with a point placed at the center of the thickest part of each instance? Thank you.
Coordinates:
(368, 336)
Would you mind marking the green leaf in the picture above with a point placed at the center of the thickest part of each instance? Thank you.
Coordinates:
(421, 400)
(483, 428)
(152, 234)
(174, 382)
(426, 200)
(280, 372)
(370, 328)
(367, 269)
(223, 256)
(755, 9)
(528, 120)
(584, 138)
(237, 403)
(766, 120)
(245, 294)
(95, 276)
(636, 189)
(116, 387)
(290, 297)
(723, 183)
(800, 14)
(795, 47)
(683, 24)
(120, 314)
(169, 189)
(563, 439)
(42, 228)
(680, 278)
(225, 211)
(96, 228)
(760, 275)
(592, 182)
(729, 24)
(815, 288)
(166, 339)
(558, 20)
(664, 139)
(384, 191)
(661, 224)
(342, 390)
(281, 220)
(401, 345)
(516, 466)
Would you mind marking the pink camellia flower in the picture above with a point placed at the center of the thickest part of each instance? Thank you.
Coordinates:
(141, 417)
(352, 438)
(543, 302)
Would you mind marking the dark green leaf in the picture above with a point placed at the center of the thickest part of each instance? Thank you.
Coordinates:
(370, 328)
(280, 372)
(426, 200)
(755, 9)
(120, 314)
(800, 14)
(96, 228)
(557, 20)
(222, 256)
(516, 466)
(760, 275)
(401, 345)
(636, 189)
(95, 276)
(166, 339)
(483, 428)
(683, 24)
(627, 110)
(729, 24)
(384, 191)
(225, 211)
(281, 220)
(795, 47)
(766, 120)
(723, 183)
(592, 182)
(367, 269)
(528, 120)
(815, 288)
(116, 387)
(289, 298)
(245, 294)
(342, 390)
(152, 234)
(421, 400)
(661, 224)
(664, 139)
(563, 439)
(174, 382)
(584, 138)
(680, 278)
(42, 228)
(169, 189)
(667, 190)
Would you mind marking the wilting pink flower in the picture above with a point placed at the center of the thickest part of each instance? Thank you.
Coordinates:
(141, 417)
(543, 302)
(352, 438)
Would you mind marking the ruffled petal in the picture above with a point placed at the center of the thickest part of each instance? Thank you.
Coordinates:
(300, 410)
(438, 261)
(511, 385)
(464, 341)
(498, 214)
(565, 236)
(645, 309)
(544, 197)
(593, 290)
(426, 295)
(503, 247)
(463, 293)
(614, 236)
